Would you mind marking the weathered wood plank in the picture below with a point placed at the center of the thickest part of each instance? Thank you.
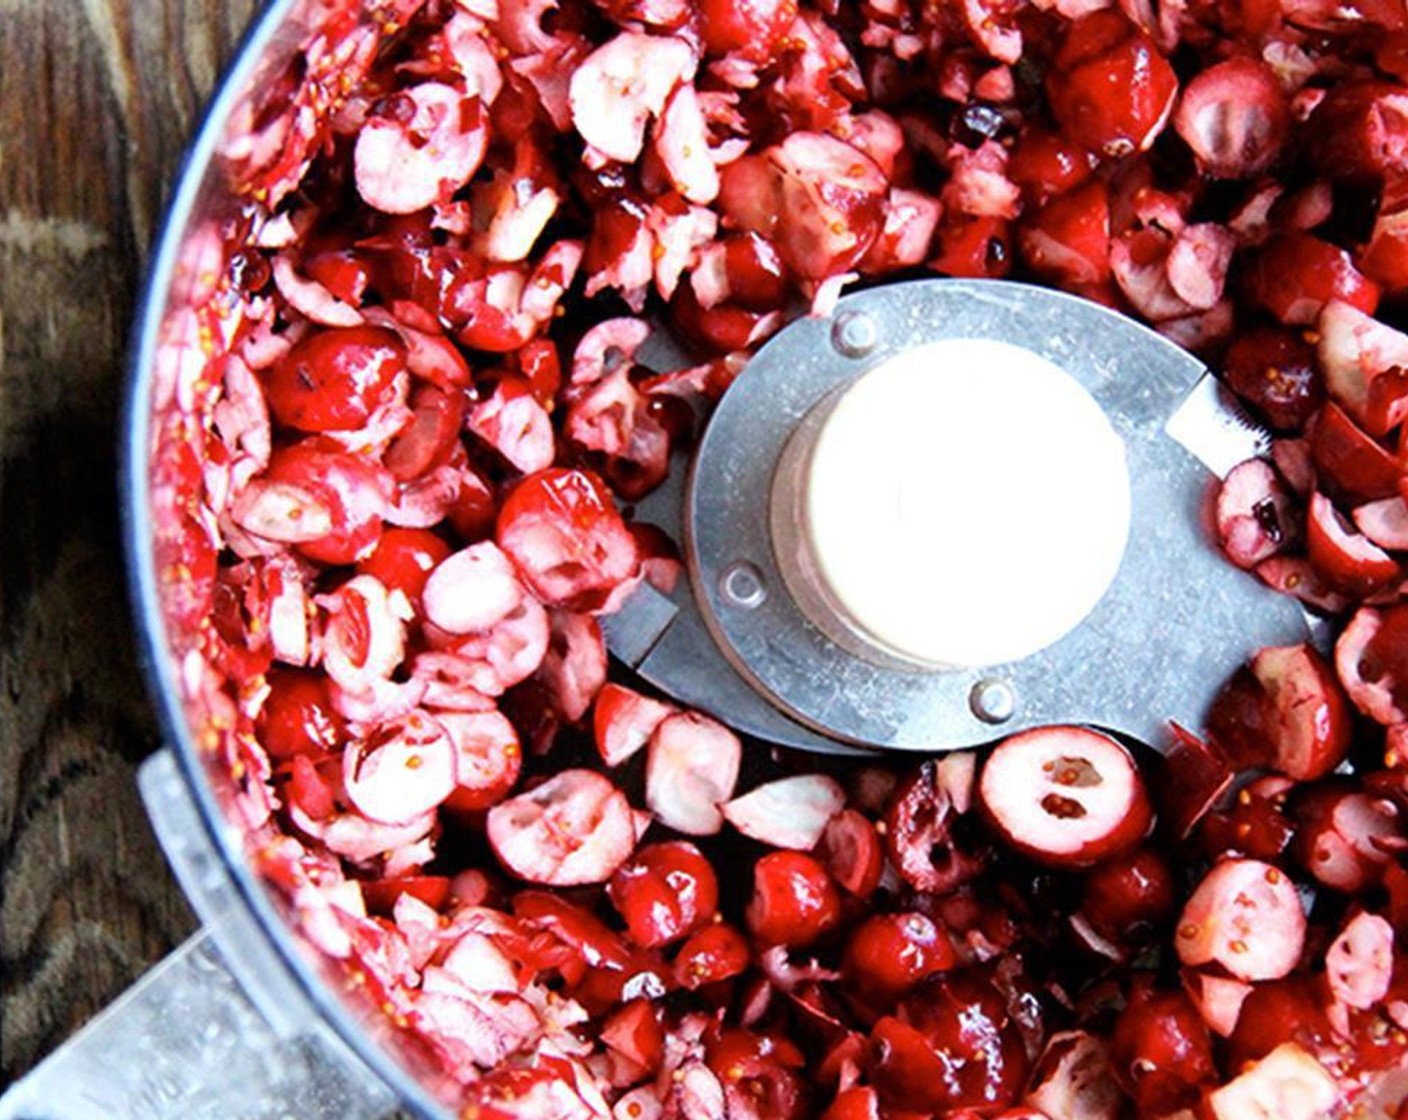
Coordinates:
(97, 98)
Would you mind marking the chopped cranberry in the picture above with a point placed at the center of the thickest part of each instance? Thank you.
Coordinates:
(1110, 88)
(754, 27)
(1161, 1051)
(334, 380)
(1273, 370)
(298, 717)
(794, 900)
(1128, 899)
(403, 560)
(665, 892)
(717, 952)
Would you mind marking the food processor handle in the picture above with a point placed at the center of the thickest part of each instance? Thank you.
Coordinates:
(218, 1030)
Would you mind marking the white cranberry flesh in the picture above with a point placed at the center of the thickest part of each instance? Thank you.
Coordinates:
(1065, 796)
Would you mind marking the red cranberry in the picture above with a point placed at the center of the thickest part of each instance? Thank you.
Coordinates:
(665, 892)
(794, 900)
(1161, 1051)
(1110, 88)
(298, 717)
(333, 380)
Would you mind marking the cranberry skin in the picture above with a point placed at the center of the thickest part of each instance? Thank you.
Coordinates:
(1279, 1011)
(965, 1020)
(975, 247)
(1359, 131)
(919, 835)
(889, 953)
(1045, 164)
(1295, 274)
(1161, 1051)
(757, 281)
(754, 27)
(794, 900)
(1110, 89)
(1273, 370)
(717, 952)
(298, 717)
(1127, 899)
(403, 560)
(1255, 825)
(334, 380)
(665, 892)
(758, 1073)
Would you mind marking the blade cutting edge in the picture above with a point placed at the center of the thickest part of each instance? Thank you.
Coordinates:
(1214, 428)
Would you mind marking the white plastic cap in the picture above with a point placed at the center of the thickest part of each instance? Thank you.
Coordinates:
(965, 503)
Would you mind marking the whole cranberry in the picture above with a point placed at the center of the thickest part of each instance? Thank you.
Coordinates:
(888, 954)
(1161, 1050)
(1126, 899)
(665, 892)
(794, 900)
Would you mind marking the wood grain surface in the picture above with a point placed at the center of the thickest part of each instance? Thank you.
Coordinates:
(97, 99)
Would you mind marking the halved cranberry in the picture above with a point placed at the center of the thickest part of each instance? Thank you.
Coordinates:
(1235, 118)
(1247, 917)
(794, 900)
(1065, 796)
(566, 538)
(664, 892)
(1110, 88)
(1352, 465)
(1348, 560)
(1288, 1010)
(333, 380)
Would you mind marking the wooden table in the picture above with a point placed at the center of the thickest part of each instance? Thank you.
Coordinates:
(97, 99)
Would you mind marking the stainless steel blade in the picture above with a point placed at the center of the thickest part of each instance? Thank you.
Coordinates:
(1212, 425)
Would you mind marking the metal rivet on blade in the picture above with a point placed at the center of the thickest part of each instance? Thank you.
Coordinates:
(743, 585)
(993, 701)
(854, 334)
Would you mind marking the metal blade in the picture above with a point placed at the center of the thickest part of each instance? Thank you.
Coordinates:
(1212, 425)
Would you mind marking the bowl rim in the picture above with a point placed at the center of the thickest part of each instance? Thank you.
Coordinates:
(192, 178)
